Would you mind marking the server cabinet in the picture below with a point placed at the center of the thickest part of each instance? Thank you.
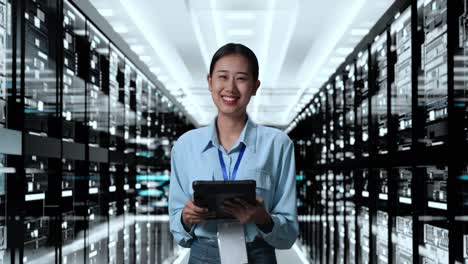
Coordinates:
(67, 138)
(383, 215)
(350, 217)
(409, 159)
(401, 95)
(350, 113)
(41, 154)
(339, 225)
(432, 19)
(324, 221)
(5, 67)
(434, 231)
(339, 119)
(402, 229)
(379, 93)
(460, 87)
(364, 218)
(10, 146)
(330, 120)
(362, 94)
(331, 217)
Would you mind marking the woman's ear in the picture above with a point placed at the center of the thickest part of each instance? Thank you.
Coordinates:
(208, 79)
(257, 85)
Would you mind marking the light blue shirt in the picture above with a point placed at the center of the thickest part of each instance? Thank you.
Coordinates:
(268, 159)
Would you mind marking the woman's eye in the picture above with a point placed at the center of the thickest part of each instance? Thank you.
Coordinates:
(242, 78)
(222, 77)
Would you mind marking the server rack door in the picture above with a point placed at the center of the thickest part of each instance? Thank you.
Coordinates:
(401, 91)
(382, 216)
(379, 94)
(362, 93)
(433, 98)
(41, 154)
(350, 216)
(364, 217)
(73, 106)
(350, 113)
(402, 228)
(10, 140)
(434, 229)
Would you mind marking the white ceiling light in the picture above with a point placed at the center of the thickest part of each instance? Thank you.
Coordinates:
(156, 30)
(217, 23)
(145, 58)
(156, 39)
(138, 49)
(240, 32)
(312, 66)
(163, 78)
(240, 16)
(263, 56)
(344, 51)
(337, 60)
(121, 29)
(359, 32)
(155, 70)
(105, 12)
(198, 34)
(132, 40)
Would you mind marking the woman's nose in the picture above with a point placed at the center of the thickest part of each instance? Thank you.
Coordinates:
(231, 85)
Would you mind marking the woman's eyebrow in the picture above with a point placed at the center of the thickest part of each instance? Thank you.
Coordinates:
(246, 73)
(226, 71)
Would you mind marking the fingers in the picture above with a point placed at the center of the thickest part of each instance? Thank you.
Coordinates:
(240, 209)
(236, 202)
(191, 218)
(192, 214)
(260, 200)
(243, 203)
(195, 208)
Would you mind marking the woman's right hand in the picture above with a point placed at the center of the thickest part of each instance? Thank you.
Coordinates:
(192, 214)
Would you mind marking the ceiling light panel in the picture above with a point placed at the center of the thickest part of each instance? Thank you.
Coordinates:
(105, 12)
(240, 32)
(360, 17)
(240, 15)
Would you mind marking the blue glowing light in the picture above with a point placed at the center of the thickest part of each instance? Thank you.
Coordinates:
(149, 177)
(151, 193)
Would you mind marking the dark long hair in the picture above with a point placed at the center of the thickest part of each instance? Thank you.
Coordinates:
(236, 49)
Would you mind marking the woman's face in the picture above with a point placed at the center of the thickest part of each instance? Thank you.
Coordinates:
(232, 84)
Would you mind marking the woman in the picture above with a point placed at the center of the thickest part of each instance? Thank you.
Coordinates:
(248, 151)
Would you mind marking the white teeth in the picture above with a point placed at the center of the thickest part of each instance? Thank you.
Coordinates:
(229, 98)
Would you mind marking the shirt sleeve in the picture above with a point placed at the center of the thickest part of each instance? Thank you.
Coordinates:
(284, 213)
(177, 199)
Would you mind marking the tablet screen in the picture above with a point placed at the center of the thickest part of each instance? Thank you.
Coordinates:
(212, 194)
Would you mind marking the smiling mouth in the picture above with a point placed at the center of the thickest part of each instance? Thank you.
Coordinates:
(230, 100)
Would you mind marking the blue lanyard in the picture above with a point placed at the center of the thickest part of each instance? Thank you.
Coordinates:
(236, 167)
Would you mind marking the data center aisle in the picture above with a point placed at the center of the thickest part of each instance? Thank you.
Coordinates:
(290, 256)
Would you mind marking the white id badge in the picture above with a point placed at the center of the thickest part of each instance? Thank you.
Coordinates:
(231, 243)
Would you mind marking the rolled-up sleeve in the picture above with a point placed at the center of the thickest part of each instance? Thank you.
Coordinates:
(177, 199)
(284, 211)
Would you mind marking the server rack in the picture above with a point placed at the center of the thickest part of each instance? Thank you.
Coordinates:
(404, 168)
(78, 121)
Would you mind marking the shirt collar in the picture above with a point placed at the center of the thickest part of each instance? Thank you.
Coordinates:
(248, 135)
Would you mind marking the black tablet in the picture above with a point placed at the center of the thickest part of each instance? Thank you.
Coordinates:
(211, 194)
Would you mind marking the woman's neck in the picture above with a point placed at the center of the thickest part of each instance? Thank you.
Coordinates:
(229, 129)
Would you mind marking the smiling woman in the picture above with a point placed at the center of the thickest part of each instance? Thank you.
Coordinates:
(259, 153)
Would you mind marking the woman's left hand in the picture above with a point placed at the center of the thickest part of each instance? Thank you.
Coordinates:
(248, 213)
